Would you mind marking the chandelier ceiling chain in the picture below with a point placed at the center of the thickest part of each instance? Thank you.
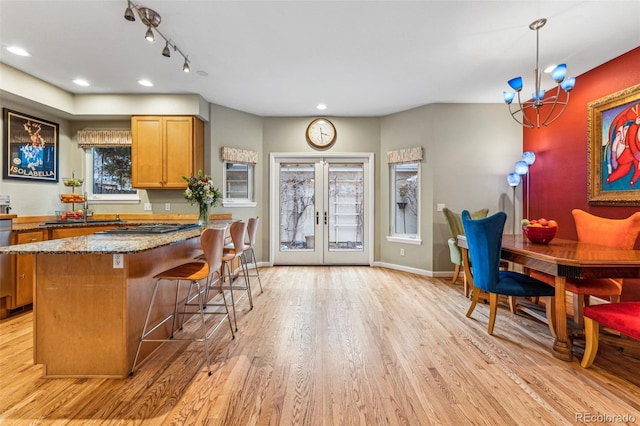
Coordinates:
(541, 102)
(151, 19)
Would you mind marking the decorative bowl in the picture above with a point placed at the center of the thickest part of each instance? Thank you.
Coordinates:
(540, 234)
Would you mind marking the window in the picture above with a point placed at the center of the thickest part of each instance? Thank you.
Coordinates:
(405, 201)
(109, 174)
(238, 185)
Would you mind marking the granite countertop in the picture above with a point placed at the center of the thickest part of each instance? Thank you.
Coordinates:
(107, 243)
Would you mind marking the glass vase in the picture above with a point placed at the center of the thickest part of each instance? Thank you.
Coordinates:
(203, 215)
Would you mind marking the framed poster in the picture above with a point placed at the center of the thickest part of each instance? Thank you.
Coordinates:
(614, 148)
(30, 147)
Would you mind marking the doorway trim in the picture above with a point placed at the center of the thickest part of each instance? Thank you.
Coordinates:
(274, 192)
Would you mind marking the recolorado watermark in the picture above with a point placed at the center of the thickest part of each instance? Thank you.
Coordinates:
(605, 418)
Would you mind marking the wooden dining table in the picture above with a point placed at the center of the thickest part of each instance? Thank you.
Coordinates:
(563, 259)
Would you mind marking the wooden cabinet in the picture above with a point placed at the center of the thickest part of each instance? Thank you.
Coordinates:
(165, 148)
(24, 276)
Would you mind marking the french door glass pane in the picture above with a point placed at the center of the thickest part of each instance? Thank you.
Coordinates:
(297, 206)
(346, 189)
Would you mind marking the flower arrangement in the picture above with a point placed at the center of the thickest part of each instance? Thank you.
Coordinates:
(201, 191)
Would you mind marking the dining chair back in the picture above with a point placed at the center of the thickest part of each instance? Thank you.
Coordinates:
(454, 221)
(484, 241)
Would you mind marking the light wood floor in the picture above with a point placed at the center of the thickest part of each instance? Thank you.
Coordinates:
(337, 346)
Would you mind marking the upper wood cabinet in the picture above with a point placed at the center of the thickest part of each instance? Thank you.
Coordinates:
(165, 148)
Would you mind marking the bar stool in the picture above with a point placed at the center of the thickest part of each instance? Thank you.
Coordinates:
(237, 231)
(248, 254)
(212, 244)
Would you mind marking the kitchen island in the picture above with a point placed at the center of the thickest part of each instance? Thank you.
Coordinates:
(91, 297)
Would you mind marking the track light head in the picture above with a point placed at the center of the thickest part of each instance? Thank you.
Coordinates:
(166, 52)
(185, 67)
(128, 14)
(149, 35)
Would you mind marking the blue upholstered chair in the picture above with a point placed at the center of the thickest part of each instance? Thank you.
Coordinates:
(484, 239)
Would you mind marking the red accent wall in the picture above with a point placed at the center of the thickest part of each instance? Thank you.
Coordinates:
(558, 178)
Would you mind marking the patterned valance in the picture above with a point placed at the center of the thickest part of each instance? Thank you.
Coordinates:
(237, 155)
(408, 155)
(104, 138)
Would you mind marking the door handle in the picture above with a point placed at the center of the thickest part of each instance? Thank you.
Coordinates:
(317, 218)
(325, 218)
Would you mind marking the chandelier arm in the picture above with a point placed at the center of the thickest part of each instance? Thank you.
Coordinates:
(553, 106)
(525, 120)
(564, 106)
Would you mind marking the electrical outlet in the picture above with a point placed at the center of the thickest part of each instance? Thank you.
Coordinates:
(147, 207)
(118, 261)
(167, 206)
(402, 252)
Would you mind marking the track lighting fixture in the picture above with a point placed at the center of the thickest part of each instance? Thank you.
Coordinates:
(151, 19)
(128, 14)
(149, 35)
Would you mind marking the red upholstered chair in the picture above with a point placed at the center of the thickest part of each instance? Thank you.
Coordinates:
(619, 233)
(623, 317)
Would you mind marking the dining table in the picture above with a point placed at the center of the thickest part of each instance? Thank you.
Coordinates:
(562, 259)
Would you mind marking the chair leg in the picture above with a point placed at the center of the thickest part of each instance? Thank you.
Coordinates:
(456, 273)
(233, 303)
(475, 296)
(512, 304)
(550, 308)
(247, 280)
(579, 302)
(144, 328)
(591, 333)
(493, 309)
(255, 263)
(205, 342)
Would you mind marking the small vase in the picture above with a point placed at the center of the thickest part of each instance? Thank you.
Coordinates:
(203, 215)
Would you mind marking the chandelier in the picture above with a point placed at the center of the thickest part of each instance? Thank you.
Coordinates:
(544, 107)
(151, 19)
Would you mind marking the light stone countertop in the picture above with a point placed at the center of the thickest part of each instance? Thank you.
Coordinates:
(107, 243)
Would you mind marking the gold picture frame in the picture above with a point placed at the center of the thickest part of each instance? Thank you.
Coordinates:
(614, 148)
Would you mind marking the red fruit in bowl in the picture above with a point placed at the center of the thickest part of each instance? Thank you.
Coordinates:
(542, 221)
(553, 224)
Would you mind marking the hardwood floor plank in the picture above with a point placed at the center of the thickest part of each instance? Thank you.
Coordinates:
(337, 346)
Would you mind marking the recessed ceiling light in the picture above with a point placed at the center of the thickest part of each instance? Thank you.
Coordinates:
(145, 83)
(18, 51)
(322, 107)
(81, 82)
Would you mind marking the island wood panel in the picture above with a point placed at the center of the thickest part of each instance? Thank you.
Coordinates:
(89, 315)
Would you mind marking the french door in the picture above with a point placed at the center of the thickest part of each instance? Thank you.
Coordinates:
(321, 208)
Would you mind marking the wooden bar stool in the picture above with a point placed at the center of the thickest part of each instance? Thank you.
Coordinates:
(212, 244)
(237, 230)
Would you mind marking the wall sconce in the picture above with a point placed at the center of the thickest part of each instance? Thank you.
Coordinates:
(151, 19)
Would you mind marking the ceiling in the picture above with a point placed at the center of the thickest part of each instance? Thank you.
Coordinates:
(282, 58)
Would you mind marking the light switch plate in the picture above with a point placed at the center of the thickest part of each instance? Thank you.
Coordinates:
(440, 207)
(118, 261)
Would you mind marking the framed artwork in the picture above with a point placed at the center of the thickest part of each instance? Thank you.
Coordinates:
(30, 147)
(614, 148)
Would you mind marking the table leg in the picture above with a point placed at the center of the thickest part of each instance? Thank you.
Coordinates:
(562, 344)
(468, 284)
